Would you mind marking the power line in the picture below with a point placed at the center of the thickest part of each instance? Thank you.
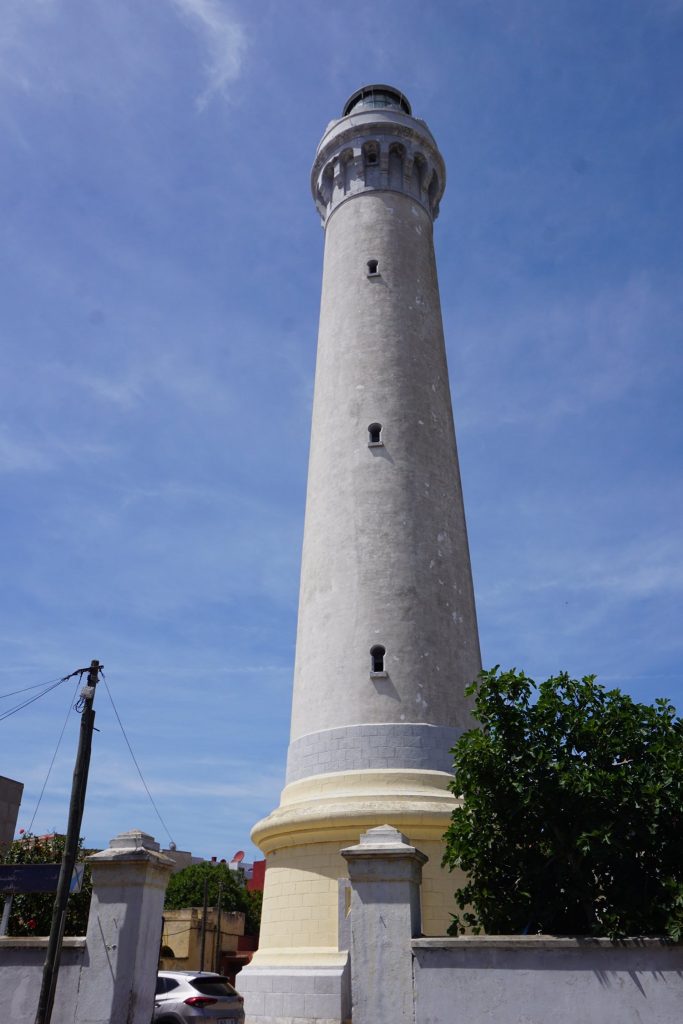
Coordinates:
(151, 798)
(29, 700)
(48, 687)
(54, 757)
(25, 689)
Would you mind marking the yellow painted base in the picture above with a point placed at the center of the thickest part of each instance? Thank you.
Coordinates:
(317, 818)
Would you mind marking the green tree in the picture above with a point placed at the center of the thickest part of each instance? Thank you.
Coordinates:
(31, 913)
(186, 889)
(571, 813)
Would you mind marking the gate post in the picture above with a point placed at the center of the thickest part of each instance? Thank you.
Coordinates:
(124, 931)
(385, 873)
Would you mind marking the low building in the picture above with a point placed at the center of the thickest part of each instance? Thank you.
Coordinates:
(257, 879)
(181, 858)
(181, 941)
(10, 800)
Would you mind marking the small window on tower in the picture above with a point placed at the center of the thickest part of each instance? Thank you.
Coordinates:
(377, 654)
(371, 166)
(372, 268)
(375, 434)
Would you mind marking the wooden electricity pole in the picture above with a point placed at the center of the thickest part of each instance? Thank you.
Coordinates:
(203, 932)
(73, 832)
(219, 927)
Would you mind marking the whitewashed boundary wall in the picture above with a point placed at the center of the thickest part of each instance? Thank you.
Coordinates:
(399, 978)
(109, 975)
(532, 979)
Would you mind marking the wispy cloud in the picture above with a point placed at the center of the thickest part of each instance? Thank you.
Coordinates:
(642, 569)
(225, 41)
(47, 50)
(576, 353)
(19, 22)
(21, 455)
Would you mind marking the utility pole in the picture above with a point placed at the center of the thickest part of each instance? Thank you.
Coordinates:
(206, 910)
(78, 787)
(217, 950)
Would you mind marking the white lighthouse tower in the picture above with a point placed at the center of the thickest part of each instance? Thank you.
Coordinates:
(387, 636)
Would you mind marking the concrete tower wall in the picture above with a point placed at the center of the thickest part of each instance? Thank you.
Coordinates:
(385, 557)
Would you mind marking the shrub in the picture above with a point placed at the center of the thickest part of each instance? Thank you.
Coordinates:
(571, 813)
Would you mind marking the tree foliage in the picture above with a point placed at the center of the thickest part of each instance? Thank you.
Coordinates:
(571, 814)
(186, 889)
(31, 913)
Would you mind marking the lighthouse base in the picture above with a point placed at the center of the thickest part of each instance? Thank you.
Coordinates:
(315, 991)
(300, 973)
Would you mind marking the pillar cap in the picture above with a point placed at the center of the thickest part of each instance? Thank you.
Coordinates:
(134, 838)
(384, 841)
(134, 845)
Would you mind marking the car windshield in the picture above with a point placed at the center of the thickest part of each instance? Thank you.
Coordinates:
(213, 986)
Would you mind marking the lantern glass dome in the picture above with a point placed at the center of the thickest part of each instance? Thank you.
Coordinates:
(377, 96)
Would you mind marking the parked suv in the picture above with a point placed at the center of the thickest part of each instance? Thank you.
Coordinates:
(187, 997)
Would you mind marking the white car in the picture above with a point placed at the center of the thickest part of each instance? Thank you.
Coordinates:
(187, 997)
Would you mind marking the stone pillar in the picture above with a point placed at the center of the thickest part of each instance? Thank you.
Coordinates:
(124, 931)
(385, 873)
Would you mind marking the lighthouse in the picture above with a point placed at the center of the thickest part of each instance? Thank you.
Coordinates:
(387, 637)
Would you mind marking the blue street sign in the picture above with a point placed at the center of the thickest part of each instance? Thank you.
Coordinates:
(26, 878)
(77, 878)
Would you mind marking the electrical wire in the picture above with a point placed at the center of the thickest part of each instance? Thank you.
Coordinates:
(29, 700)
(142, 779)
(25, 689)
(29, 830)
(48, 687)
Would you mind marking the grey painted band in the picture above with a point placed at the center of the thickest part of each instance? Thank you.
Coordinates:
(385, 745)
(309, 995)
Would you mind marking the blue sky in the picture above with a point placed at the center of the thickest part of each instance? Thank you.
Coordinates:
(159, 289)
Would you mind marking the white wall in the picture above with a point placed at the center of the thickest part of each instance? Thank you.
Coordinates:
(541, 979)
(107, 977)
(21, 970)
(489, 979)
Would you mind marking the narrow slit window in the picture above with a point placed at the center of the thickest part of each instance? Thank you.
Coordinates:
(377, 654)
(371, 168)
(372, 268)
(375, 433)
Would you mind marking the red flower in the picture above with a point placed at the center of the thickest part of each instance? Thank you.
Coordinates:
(21, 831)
(31, 924)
